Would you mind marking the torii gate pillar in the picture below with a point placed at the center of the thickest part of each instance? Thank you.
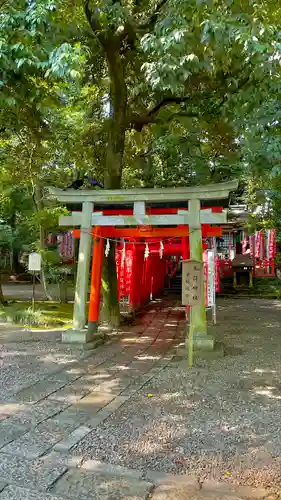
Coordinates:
(79, 333)
(198, 316)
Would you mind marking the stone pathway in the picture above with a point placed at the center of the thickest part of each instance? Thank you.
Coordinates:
(52, 396)
(113, 423)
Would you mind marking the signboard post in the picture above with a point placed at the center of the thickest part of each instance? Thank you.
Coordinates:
(192, 294)
(34, 265)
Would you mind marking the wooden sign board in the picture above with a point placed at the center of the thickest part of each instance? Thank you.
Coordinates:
(34, 262)
(192, 280)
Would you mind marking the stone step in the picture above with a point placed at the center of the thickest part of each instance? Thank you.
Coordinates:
(81, 483)
(217, 353)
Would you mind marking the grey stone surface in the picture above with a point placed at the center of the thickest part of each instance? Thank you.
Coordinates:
(112, 406)
(33, 415)
(110, 469)
(2, 485)
(91, 486)
(70, 393)
(38, 441)
(16, 493)
(154, 476)
(40, 390)
(72, 439)
(9, 432)
(94, 401)
(60, 458)
(30, 474)
(73, 416)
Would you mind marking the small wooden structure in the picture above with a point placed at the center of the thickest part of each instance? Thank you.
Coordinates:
(243, 266)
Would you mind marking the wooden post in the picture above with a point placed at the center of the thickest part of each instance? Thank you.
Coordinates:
(79, 334)
(251, 279)
(198, 317)
(95, 293)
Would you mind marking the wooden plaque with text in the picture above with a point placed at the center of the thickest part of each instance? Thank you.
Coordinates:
(192, 280)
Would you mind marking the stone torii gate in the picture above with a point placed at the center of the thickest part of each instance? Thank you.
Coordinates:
(192, 218)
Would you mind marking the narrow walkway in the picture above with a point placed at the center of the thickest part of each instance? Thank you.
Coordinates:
(109, 423)
(53, 396)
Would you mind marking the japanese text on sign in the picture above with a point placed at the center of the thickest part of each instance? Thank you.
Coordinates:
(192, 278)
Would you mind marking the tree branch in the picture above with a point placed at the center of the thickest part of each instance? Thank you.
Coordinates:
(166, 101)
(150, 23)
(94, 22)
(137, 123)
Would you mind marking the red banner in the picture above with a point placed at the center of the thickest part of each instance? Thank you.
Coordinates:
(258, 243)
(205, 260)
(272, 244)
(217, 274)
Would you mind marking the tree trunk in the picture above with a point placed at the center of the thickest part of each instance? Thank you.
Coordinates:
(38, 196)
(2, 299)
(113, 174)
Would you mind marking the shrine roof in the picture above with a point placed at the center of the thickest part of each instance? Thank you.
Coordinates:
(209, 193)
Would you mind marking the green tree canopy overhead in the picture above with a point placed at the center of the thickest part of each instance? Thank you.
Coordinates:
(138, 91)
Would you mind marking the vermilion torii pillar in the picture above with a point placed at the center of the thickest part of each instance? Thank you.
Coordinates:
(140, 199)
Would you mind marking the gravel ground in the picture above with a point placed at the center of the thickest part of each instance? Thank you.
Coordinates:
(222, 419)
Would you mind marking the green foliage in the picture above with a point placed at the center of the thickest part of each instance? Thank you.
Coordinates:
(6, 237)
(59, 274)
(140, 94)
(48, 315)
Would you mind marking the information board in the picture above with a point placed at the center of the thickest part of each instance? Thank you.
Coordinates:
(192, 280)
(34, 261)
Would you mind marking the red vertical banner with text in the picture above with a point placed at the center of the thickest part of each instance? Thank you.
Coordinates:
(258, 243)
(272, 244)
(217, 274)
(205, 262)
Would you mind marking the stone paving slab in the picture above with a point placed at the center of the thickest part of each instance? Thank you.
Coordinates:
(70, 393)
(91, 486)
(2, 485)
(94, 401)
(111, 407)
(40, 390)
(39, 440)
(16, 493)
(61, 458)
(67, 394)
(38, 474)
(72, 439)
(33, 415)
(10, 432)
(73, 415)
(68, 376)
(105, 468)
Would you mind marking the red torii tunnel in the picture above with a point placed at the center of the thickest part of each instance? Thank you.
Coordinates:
(140, 278)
